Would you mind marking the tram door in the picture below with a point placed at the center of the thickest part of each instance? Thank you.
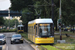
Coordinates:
(35, 32)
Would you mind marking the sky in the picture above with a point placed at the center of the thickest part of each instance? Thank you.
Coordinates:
(4, 4)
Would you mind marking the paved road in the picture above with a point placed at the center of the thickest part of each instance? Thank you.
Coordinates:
(9, 46)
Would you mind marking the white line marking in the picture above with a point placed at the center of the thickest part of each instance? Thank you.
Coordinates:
(20, 47)
(7, 48)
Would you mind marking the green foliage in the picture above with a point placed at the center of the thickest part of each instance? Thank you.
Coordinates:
(49, 47)
(26, 16)
(36, 11)
(45, 10)
(67, 46)
(11, 22)
(25, 35)
(8, 30)
(18, 5)
(68, 12)
(2, 21)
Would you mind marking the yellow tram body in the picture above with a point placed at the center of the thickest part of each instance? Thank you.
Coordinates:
(44, 40)
(20, 28)
(34, 32)
(20, 31)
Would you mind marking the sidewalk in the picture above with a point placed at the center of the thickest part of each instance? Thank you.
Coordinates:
(35, 48)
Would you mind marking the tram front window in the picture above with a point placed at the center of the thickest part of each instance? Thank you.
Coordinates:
(45, 29)
(21, 28)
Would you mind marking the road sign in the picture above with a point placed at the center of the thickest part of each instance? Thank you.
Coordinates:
(59, 21)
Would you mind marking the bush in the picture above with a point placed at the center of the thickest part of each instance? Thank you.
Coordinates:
(8, 30)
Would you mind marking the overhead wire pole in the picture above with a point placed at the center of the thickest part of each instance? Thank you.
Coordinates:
(53, 10)
(9, 17)
(60, 19)
(53, 14)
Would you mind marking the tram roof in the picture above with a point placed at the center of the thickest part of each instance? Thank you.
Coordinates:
(49, 20)
(20, 26)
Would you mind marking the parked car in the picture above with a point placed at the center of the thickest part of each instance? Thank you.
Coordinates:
(2, 39)
(72, 29)
(65, 29)
(0, 47)
(16, 38)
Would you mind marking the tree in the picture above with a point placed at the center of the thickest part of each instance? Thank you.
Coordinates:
(27, 11)
(2, 21)
(6, 23)
(68, 12)
(18, 5)
(47, 10)
(27, 16)
(44, 7)
(11, 22)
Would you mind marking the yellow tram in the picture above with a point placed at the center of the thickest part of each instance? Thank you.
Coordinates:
(40, 31)
(20, 28)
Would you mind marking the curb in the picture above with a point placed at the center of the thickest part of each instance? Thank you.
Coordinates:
(35, 48)
(26, 40)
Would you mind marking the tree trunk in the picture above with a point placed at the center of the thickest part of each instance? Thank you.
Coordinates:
(26, 28)
(56, 27)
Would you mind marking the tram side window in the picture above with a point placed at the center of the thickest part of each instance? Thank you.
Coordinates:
(36, 30)
(28, 29)
(18, 28)
(32, 29)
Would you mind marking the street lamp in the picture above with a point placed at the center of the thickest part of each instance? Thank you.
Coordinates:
(9, 17)
(60, 19)
(53, 14)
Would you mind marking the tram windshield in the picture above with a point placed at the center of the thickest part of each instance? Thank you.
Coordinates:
(21, 28)
(45, 29)
(18, 28)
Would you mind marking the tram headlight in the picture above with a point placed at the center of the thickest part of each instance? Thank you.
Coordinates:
(37, 39)
(3, 40)
(12, 39)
